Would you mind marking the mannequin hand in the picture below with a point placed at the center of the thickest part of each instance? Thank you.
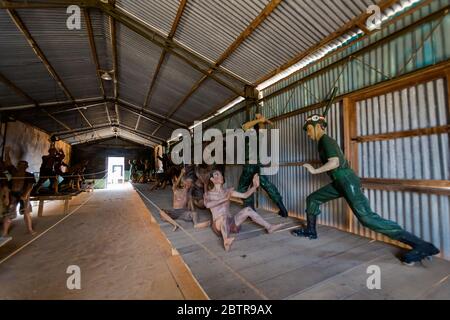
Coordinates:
(256, 182)
(230, 194)
(310, 168)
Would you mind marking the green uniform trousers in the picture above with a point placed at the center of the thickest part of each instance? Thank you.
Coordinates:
(246, 180)
(346, 184)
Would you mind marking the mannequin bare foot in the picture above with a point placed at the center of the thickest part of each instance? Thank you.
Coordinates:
(227, 243)
(274, 228)
(32, 232)
(202, 225)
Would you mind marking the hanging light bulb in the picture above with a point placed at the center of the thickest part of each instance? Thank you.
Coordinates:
(106, 76)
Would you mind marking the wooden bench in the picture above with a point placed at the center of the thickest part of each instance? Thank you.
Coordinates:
(62, 197)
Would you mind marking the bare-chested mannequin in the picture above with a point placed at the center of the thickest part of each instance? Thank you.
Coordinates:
(181, 188)
(217, 200)
(21, 185)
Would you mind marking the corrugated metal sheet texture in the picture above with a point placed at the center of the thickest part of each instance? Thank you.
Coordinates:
(374, 67)
(146, 126)
(425, 157)
(19, 64)
(389, 58)
(10, 98)
(232, 175)
(208, 97)
(135, 138)
(67, 50)
(427, 216)
(90, 136)
(293, 181)
(155, 13)
(175, 80)
(292, 28)
(137, 61)
(39, 119)
(100, 29)
(210, 27)
(127, 118)
(97, 115)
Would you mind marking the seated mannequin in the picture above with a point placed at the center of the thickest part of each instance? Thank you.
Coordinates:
(217, 199)
(181, 189)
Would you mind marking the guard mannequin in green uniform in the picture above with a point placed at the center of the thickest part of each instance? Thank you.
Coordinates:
(345, 183)
(251, 169)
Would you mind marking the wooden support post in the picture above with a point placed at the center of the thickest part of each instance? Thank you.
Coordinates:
(447, 78)
(66, 206)
(41, 208)
(350, 146)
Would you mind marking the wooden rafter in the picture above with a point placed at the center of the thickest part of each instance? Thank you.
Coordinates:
(93, 47)
(40, 54)
(270, 7)
(162, 58)
(358, 22)
(112, 28)
(17, 90)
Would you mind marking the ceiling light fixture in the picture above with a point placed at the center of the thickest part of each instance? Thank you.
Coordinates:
(106, 76)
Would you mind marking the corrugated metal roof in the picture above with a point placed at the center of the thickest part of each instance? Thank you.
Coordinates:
(127, 118)
(209, 96)
(39, 119)
(137, 60)
(206, 28)
(291, 29)
(175, 80)
(20, 65)
(9, 98)
(209, 28)
(156, 13)
(146, 126)
(67, 50)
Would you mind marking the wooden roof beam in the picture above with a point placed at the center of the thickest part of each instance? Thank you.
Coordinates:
(270, 7)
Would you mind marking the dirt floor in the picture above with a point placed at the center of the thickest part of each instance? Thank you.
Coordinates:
(109, 234)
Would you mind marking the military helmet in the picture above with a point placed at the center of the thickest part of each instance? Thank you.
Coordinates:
(315, 119)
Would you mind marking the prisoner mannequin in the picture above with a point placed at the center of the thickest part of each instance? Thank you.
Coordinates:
(20, 189)
(47, 170)
(345, 183)
(251, 169)
(181, 189)
(217, 199)
(4, 205)
(200, 187)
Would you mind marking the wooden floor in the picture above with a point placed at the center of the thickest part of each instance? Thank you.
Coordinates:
(280, 266)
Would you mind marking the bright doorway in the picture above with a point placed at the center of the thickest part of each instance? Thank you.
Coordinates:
(116, 171)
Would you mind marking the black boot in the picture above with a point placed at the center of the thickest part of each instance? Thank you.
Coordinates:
(310, 230)
(283, 211)
(420, 249)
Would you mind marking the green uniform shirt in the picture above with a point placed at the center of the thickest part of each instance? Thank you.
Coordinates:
(328, 148)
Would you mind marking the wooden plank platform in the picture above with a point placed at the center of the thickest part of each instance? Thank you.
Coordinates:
(66, 197)
(280, 266)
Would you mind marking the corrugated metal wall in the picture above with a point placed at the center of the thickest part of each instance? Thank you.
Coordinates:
(425, 157)
(421, 106)
(296, 183)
